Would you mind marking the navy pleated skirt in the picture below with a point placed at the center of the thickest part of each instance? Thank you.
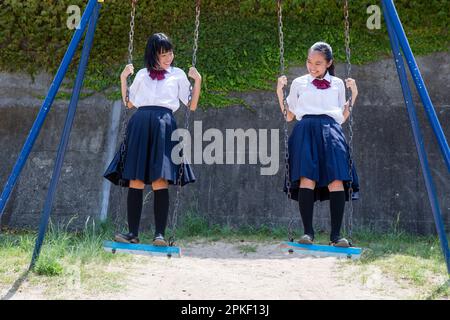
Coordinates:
(318, 151)
(148, 148)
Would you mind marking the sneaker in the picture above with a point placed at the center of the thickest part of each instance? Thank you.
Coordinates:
(159, 240)
(126, 238)
(342, 243)
(306, 239)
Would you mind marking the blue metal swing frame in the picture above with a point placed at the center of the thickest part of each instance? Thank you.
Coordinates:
(399, 40)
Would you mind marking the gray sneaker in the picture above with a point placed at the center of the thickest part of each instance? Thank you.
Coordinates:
(159, 241)
(342, 243)
(306, 239)
(126, 238)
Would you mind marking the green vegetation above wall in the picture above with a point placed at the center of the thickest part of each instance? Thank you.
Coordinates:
(238, 44)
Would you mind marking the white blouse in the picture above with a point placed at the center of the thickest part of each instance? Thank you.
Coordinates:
(304, 98)
(164, 93)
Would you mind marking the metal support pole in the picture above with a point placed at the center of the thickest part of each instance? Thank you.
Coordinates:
(45, 108)
(432, 196)
(66, 133)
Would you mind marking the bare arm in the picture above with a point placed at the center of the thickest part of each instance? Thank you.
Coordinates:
(129, 70)
(352, 85)
(193, 73)
(282, 81)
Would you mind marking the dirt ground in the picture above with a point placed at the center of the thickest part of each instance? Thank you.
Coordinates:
(221, 270)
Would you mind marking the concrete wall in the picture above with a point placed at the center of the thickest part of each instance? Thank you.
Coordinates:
(392, 186)
(80, 188)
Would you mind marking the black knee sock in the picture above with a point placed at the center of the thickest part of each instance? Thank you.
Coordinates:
(337, 206)
(306, 205)
(161, 208)
(134, 203)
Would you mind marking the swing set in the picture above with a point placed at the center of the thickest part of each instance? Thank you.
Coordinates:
(88, 23)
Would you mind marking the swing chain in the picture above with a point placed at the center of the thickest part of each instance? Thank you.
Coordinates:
(130, 46)
(348, 73)
(123, 125)
(186, 125)
(196, 33)
(285, 113)
(281, 36)
(127, 98)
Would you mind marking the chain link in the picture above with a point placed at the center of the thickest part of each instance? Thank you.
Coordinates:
(127, 98)
(186, 125)
(285, 113)
(196, 33)
(348, 74)
(123, 125)
(130, 47)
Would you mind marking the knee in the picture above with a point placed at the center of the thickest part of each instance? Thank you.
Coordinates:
(137, 184)
(336, 185)
(307, 183)
(160, 184)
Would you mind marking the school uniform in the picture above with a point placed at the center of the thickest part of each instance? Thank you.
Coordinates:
(148, 145)
(317, 146)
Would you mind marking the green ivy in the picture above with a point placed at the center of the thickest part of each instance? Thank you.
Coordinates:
(238, 44)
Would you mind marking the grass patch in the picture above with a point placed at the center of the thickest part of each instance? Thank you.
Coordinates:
(193, 226)
(48, 266)
(74, 264)
(69, 263)
(417, 260)
(247, 248)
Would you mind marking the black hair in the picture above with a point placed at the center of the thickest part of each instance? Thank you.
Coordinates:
(157, 43)
(327, 51)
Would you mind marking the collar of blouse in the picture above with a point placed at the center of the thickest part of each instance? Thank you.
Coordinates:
(327, 77)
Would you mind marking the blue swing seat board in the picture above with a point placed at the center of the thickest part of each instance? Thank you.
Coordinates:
(144, 249)
(321, 250)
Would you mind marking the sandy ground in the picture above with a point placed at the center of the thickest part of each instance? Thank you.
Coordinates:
(220, 270)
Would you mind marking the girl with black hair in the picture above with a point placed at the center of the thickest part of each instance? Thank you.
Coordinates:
(155, 92)
(318, 151)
